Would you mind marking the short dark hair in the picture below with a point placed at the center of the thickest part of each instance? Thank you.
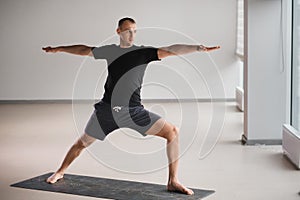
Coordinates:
(121, 21)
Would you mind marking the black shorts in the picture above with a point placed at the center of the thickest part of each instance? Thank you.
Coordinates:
(106, 119)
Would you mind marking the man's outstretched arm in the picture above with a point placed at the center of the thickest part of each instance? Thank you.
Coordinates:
(180, 49)
(81, 50)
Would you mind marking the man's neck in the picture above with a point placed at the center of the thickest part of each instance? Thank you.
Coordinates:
(125, 45)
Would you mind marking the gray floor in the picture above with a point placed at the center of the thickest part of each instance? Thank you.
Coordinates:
(35, 137)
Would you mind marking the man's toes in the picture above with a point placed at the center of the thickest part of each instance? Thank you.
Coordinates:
(186, 191)
(176, 187)
(190, 192)
(54, 178)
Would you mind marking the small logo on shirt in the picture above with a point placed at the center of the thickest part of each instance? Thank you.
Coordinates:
(117, 108)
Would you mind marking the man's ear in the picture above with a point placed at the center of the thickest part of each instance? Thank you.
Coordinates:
(118, 31)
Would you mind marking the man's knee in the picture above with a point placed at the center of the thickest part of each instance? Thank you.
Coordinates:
(79, 144)
(84, 141)
(172, 133)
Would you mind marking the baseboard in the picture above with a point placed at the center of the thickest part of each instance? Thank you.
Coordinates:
(47, 101)
(189, 100)
(90, 101)
(246, 141)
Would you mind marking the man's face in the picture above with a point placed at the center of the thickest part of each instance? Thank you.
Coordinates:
(127, 33)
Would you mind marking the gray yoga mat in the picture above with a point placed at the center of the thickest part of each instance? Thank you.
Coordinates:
(107, 188)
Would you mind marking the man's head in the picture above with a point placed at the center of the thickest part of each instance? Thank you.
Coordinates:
(126, 30)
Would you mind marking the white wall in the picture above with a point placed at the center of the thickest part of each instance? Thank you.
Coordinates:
(28, 73)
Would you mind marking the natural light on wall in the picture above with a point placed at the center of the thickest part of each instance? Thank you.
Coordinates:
(239, 90)
(240, 29)
(296, 67)
(291, 131)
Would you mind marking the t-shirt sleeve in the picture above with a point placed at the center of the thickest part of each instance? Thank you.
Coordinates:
(152, 54)
(102, 52)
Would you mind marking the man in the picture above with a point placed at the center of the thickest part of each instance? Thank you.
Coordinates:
(121, 104)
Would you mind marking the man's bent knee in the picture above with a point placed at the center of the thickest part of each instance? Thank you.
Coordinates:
(84, 141)
(175, 132)
(172, 133)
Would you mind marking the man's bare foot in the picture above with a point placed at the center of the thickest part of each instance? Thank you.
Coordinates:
(177, 187)
(55, 177)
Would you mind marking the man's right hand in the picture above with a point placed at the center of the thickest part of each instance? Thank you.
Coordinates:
(50, 49)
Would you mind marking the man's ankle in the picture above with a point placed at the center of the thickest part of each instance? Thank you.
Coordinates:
(173, 180)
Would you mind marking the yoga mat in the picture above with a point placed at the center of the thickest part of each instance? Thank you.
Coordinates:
(107, 188)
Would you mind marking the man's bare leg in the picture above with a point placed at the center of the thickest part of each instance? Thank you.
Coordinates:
(166, 130)
(73, 153)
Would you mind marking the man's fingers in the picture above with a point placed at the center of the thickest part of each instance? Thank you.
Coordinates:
(48, 49)
(212, 48)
